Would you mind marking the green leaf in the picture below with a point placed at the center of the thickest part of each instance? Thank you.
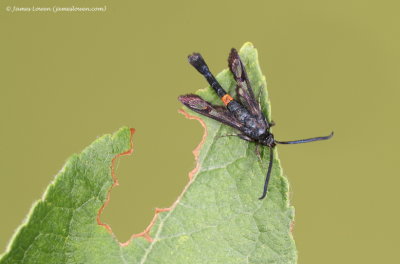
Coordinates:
(217, 219)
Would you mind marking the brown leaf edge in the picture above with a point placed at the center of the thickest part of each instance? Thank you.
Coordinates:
(146, 233)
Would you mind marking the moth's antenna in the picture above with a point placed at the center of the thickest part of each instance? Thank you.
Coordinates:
(305, 140)
(271, 159)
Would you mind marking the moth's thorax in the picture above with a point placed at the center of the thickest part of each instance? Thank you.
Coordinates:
(253, 126)
(241, 113)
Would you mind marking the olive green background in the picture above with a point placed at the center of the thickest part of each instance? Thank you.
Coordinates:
(67, 78)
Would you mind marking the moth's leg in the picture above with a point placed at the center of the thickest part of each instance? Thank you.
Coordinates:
(245, 137)
(259, 97)
(257, 150)
(242, 136)
(258, 153)
(272, 123)
(227, 135)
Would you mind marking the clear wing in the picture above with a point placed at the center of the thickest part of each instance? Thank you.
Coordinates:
(243, 89)
(219, 113)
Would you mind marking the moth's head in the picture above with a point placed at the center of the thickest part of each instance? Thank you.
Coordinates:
(267, 140)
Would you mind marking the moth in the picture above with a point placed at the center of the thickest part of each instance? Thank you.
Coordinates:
(243, 114)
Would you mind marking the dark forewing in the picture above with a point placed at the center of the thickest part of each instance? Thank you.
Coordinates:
(243, 88)
(219, 113)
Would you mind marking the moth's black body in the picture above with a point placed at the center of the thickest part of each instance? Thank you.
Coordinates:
(243, 114)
